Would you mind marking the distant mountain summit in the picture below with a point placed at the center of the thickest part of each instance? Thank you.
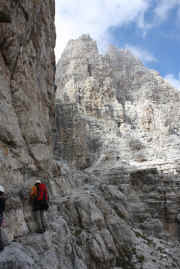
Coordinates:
(129, 111)
(116, 121)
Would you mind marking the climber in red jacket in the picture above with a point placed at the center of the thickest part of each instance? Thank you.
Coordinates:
(39, 198)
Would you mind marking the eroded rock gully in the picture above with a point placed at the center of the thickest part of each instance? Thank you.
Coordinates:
(110, 209)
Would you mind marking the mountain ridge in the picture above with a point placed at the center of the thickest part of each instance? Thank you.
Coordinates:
(131, 96)
(105, 212)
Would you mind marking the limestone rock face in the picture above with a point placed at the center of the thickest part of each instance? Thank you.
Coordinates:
(90, 226)
(27, 71)
(118, 122)
(131, 111)
(105, 216)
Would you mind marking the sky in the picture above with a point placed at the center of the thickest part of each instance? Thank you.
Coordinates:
(150, 29)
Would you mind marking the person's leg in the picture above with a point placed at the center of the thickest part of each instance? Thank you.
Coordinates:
(4, 12)
(43, 221)
(1, 241)
(37, 217)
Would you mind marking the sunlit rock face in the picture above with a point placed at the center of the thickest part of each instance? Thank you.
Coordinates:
(130, 112)
(27, 72)
(111, 111)
(108, 215)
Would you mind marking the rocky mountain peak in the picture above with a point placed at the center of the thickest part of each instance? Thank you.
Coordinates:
(83, 47)
(113, 178)
(122, 55)
(119, 121)
(137, 102)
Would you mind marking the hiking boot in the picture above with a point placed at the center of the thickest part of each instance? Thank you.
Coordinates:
(40, 231)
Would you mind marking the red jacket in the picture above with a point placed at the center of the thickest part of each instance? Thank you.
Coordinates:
(42, 193)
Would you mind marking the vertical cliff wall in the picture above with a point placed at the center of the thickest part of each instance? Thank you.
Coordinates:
(90, 221)
(27, 71)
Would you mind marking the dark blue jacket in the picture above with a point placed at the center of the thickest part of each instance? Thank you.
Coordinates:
(2, 204)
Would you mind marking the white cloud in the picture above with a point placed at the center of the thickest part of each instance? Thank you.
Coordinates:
(95, 17)
(175, 82)
(164, 7)
(142, 54)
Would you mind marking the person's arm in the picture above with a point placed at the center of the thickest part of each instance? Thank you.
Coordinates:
(33, 192)
(2, 205)
(47, 195)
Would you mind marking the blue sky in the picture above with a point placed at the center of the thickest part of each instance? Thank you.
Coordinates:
(149, 28)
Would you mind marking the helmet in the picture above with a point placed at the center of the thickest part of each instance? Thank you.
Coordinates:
(2, 189)
(38, 182)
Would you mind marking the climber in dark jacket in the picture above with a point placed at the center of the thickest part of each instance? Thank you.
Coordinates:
(2, 208)
(39, 198)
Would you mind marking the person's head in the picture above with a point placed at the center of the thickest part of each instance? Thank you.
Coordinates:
(2, 191)
(38, 182)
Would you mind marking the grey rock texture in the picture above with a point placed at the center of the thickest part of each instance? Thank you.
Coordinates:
(90, 227)
(27, 91)
(104, 216)
(128, 110)
(117, 122)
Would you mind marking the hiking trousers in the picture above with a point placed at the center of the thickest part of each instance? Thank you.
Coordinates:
(40, 219)
(1, 240)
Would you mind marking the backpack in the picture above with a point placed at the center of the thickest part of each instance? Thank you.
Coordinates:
(42, 196)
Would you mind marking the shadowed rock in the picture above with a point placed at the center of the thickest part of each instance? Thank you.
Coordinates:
(107, 214)
(4, 17)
